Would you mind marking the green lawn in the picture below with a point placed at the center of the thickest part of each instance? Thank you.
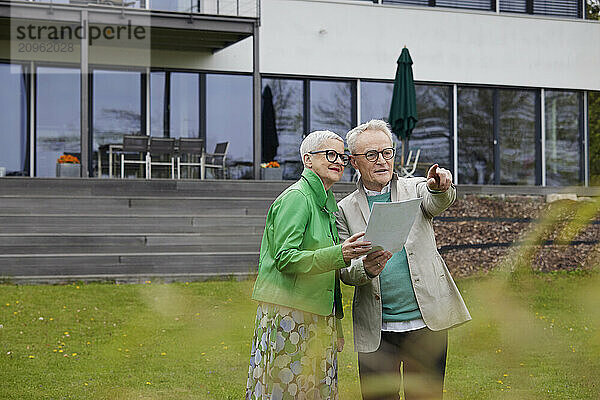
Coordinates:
(535, 337)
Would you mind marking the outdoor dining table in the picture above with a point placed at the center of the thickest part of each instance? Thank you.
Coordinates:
(115, 147)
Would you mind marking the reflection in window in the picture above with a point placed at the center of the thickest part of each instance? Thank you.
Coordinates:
(287, 97)
(184, 111)
(331, 109)
(229, 119)
(592, 9)
(58, 123)
(14, 140)
(432, 134)
(331, 106)
(475, 136)
(563, 152)
(117, 107)
(157, 103)
(594, 135)
(375, 100)
(517, 137)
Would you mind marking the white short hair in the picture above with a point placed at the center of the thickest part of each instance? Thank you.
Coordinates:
(372, 125)
(314, 140)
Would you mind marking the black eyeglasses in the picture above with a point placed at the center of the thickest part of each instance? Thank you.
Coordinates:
(333, 155)
(373, 155)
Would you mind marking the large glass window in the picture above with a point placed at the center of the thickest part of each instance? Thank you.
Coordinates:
(117, 107)
(282, 132)
(517, 135)
(592, 9)
(14, 140)
(58, 118)
(432, 135)
(375, 100)
(594, 135)
(475, 136)
(184, 110)
(158, 100)
(563, 138)
(229, 119)
(331, 108)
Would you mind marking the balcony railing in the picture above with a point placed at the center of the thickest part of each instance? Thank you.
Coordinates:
(234, 8)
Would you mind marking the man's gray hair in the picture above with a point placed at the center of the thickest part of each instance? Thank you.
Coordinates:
(372, 125)
(314, 140)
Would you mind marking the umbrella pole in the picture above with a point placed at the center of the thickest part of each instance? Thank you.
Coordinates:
(402, 155)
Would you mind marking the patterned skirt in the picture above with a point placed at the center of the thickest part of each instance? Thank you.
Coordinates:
(293, 355)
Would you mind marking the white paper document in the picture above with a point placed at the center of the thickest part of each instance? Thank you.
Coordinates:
(390, 223)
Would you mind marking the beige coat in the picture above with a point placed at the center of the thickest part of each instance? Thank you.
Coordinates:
(439, 300)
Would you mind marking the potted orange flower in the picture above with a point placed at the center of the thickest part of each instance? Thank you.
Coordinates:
(271, 171)
(68, 166)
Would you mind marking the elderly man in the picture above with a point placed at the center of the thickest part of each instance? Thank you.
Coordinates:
(403, 302)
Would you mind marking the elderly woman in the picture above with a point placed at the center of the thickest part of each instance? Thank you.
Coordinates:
(297, 330)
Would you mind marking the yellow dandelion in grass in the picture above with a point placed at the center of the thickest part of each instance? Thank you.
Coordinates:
(61, 351)
(76, 287)
(203, 354)
(500, 382)
(499, 351)
(88, 343)
(17, 302)
(51, 319)
(163, 354)
(505, 375)
(85, 383)
(148, 383)
(74, 354)
(7, 304)
(66, 333)
(55, 350)
(31, 356)
(15, 312)
(225, 347)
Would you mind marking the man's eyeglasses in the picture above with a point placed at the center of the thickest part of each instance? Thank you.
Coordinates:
(373, 155)
(333, 155)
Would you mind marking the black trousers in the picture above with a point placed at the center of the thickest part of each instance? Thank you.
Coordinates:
(422, 353)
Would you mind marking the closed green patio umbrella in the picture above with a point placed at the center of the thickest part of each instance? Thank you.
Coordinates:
(403, 112)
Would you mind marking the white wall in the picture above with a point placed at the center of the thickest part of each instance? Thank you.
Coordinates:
(363, 40)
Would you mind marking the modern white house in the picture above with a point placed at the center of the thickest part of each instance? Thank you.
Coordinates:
(504, 87)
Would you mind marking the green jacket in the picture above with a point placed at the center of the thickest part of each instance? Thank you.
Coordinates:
(300, 250)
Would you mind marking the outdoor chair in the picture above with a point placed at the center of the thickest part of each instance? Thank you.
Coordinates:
(161, 147)
(216, 160)
(137, 145)
(407, 170)
(193, 149)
